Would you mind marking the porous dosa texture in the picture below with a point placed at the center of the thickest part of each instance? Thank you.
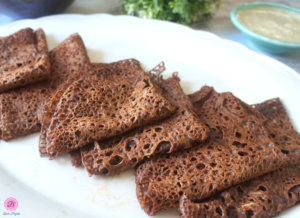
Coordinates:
(24, 59)
(180, 131)
(21, 108)
(278, 124)
(240, 149)
(107, 100)
(155, 72)
(264, 196)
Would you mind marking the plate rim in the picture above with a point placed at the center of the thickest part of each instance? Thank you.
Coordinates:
(240, 47)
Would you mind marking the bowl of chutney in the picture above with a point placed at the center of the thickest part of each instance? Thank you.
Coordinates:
(273, 28)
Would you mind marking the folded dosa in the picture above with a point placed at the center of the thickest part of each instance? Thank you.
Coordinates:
(240, 149)
(107, 100)
(180, 131)
(24, 59)
(20, 108)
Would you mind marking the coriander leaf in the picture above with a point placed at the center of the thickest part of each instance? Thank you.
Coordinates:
(182, 11)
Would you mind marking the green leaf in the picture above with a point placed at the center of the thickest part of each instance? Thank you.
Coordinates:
(182, 11)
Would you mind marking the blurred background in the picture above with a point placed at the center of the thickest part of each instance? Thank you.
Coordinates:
(11, 10)
(220, 23)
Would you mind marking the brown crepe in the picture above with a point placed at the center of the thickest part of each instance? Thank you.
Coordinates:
(180, 131)
(278, 123)
(24, 59)
(19, 108)
(265, 196)
(240, 149)
(106, 101)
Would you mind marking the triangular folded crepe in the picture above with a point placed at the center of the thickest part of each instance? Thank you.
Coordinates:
(264, 196)
(19, 108)
(240, 149)
(104, 102)
(180, 131)
(24, 59)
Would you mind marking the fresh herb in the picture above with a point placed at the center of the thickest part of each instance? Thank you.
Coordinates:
(181, 11)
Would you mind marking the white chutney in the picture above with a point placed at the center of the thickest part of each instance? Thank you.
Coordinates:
(272, 22)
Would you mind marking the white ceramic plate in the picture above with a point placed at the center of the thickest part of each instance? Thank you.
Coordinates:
(56, 189)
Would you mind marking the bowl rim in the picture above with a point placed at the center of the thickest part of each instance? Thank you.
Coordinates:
(256, 35)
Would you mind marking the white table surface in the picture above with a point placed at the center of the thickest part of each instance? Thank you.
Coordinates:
(220, 24)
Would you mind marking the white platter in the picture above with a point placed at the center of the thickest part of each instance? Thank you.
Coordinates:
(56, 189)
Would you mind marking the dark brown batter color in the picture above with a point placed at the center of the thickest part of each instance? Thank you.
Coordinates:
(76, 158)
(104, 102)
(278, 124)
(24, 59)
(240, 149)
(20, 108)
(180, 131)
(265, 196)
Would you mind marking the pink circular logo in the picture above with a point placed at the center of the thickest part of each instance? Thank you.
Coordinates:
(11, 204)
